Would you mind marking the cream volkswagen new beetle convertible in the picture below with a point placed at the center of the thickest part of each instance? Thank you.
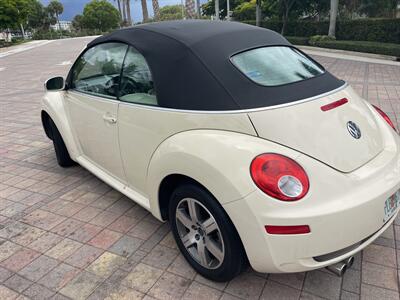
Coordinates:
(250, 148)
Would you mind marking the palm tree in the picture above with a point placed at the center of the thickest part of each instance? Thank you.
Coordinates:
(56, 8)
(145, 11)
(156, 9)
(333, 16)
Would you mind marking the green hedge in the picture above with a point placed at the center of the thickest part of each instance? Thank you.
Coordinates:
(362, 46)
(297, 40)
(376, 30)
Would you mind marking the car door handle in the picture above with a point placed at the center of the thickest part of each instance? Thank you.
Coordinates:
(110, 119)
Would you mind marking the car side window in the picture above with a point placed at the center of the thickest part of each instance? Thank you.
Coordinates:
(136, 82)
(98, 70)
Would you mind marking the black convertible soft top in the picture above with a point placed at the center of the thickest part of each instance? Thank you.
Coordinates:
(191, 67)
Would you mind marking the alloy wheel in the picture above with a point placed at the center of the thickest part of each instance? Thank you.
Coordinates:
(200, 234)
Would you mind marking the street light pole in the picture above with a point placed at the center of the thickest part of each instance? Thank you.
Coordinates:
(216, 9)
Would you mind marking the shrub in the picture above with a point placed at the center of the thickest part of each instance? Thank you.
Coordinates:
(297, 40)
(320, 38)
(362, 46)
(377, 30)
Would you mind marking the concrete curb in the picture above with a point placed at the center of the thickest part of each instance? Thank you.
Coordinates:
(351, 55)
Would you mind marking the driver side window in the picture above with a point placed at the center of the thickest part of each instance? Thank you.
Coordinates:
(98, 70)
(136, 82)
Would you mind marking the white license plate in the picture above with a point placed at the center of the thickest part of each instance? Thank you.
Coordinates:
(391, 205)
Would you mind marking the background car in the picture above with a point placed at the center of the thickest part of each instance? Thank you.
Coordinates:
(249, 147)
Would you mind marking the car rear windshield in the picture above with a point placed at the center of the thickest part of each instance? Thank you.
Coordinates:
(276, 65)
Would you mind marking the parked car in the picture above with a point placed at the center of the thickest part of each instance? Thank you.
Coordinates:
(246, 145)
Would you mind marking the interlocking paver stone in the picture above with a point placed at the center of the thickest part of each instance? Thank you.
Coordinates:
(18, 283)
(38, 292)
(59, 277)
(126, 246)
(20, 259)
(63, 249)
(246, 286)
(381, 276)
(201, 292)
(81, 286)
(105, 239)
(169, 286)
(38, 268)
(369, 292)
(323, 284)
(85, 227)
(142, 278)
(82, 257)
(106, 264)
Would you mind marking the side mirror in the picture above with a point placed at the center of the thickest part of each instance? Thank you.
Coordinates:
(55, 84)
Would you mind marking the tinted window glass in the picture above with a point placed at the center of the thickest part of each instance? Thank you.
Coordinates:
(272, 66)
(136, 81)
(98, 70)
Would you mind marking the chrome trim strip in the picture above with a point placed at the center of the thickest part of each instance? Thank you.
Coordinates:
(116, 101)
(239, 111)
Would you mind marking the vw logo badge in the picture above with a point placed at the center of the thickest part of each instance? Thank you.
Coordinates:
(353, 129)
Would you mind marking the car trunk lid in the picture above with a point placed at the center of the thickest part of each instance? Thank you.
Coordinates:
(321, 134)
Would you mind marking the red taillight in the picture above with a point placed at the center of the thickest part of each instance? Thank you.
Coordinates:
(334, 104)
(385, 116)
(293, 229)
(279, 177)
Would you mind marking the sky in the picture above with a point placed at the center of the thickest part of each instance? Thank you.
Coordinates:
(74, 7)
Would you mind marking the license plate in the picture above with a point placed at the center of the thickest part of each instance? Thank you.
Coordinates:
(391, 205)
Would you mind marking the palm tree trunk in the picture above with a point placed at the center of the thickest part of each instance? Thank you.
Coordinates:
(128, 12)
(145, 11)
(216, 9)
(119, 9)
(285, 19)
(333, 16)
(22, 30)
(258, 13)
(198, 8)
(124, 12)
(156, 9)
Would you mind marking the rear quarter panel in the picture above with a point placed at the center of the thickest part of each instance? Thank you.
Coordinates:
(219, 160)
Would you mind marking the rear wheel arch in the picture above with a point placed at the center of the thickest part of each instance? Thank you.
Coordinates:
(167, 187)
(170, 183)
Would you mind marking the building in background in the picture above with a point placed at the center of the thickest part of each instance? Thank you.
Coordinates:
(62, 25)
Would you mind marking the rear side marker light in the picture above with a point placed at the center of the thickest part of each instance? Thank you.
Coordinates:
(385, 117)
(334, 104)
(293, 229)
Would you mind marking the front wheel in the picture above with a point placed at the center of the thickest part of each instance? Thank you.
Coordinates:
(62, 155)
(204, 234)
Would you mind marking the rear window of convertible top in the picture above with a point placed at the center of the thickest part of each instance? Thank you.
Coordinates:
(276, 65)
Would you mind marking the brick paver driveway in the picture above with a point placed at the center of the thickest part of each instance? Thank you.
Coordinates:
(65, 234)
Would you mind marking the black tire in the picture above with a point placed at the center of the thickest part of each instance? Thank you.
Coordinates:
(234, 259)
(63, 158)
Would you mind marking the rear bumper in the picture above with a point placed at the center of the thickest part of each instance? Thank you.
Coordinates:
(345, 213)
